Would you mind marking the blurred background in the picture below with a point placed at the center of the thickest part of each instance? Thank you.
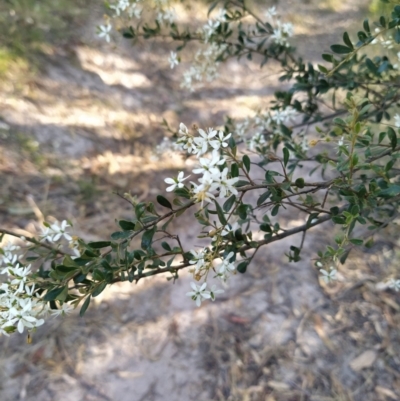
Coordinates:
(79, 121)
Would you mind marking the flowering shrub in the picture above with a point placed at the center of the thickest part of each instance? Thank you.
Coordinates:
(341, 116)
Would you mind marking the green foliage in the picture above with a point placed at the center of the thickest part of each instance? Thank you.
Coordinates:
(359, 149)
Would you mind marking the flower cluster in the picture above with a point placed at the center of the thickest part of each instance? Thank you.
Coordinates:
(20, 307)
(200, 293)
(387, 43)
(205, 65)
(55, 232)
(212, 150)
(21, 304)
(215, 177)
(211, 26)
(281, 31)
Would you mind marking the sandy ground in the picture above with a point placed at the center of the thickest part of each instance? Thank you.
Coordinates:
(84, 128)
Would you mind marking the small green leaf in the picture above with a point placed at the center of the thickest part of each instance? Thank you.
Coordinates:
(234, 170)
(229, 203)
(366, 27)
(128, 35)
(322, 69)
(85, 306)
(381, 137)
(393, 138)
(275, 210)
(371, 66)
(99, 244)
(328, 57)
(127, 225)
(182, 192)
(246, 162)
(220, 213)
(147, 238)
(164, 202)
(242, 211)
(356, 241)
(285, 156)
(242, 267)
(241, 183)
(263, 197)
(266, 228)
(340, 49)
(347, 41)
(343, 258)
(166, 246)
(54, 293)
(311, 217)
(120, 235)
(389, 192)
(99, 289)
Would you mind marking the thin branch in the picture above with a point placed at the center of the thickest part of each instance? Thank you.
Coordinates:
(32, 240)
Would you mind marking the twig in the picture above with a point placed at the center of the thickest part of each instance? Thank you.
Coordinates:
(31, 240)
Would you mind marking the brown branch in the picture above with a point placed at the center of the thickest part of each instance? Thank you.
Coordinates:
(277, 237)
(31, 240)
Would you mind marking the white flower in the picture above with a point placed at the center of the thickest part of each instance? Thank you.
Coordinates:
(209, 28)
(271, 12)
(220, 141)
(176, 182)
(29, 290)
(198, 260)
(205, 65)
(183, 130)
(134, 11)
(341, 141)
(203, 193)
(206, 139)
(166, 15)
(395, 284)
(257, 140)
(397, 120)
(122, 5)
(104, 31)
(21, 276)
(215, 291)
(56, 232)
(328, 276)
(210, 164)
(226, 185)
(199, 293)
(59, 231)
(65, 309)
(8, 260)
(23, 317)
(230, 228)
(9, 248)
(281, 33)
(221, 17)
(173, 60)
(226, 266)
(185, 140)
(209, 184)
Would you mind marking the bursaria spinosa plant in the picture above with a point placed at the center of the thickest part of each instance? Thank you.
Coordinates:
(341, 117)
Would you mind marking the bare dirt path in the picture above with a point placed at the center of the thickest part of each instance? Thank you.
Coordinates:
(83, 128)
